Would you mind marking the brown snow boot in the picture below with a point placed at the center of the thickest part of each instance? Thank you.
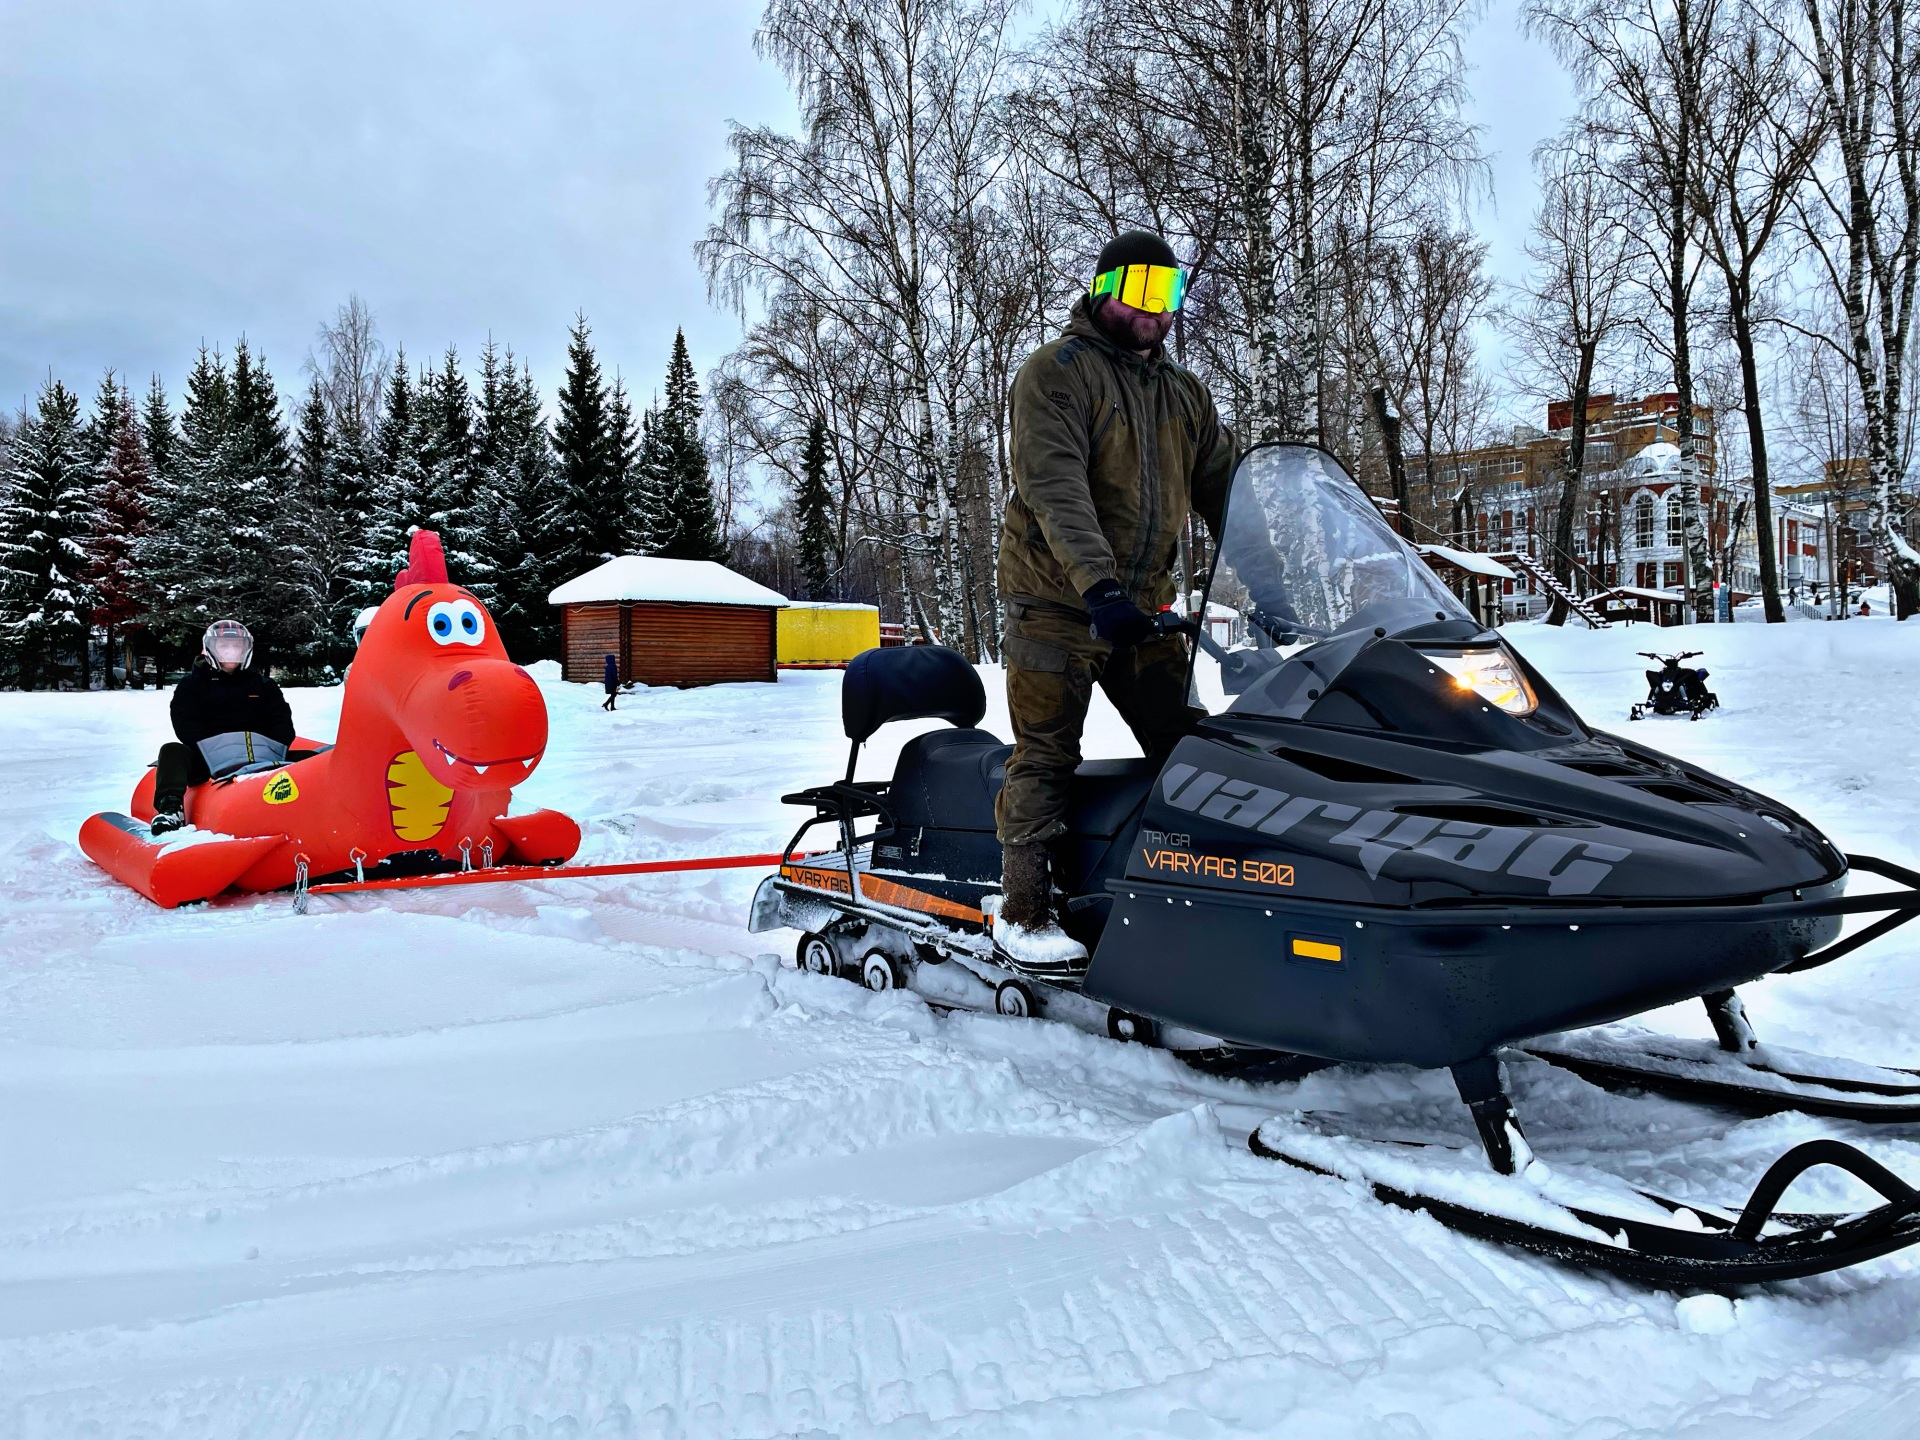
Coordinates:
(1029, 938)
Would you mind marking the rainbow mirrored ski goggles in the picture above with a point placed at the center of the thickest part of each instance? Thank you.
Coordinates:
(1152, 288)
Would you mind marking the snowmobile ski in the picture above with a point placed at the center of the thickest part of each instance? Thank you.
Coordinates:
(1765, 1080)
(1593, 1225)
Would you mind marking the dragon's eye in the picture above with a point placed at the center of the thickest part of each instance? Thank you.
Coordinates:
(456, 622)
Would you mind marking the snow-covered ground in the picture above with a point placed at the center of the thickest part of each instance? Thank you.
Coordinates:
(582, 1158)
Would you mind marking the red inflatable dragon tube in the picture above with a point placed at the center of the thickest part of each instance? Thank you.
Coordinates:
(436, 728)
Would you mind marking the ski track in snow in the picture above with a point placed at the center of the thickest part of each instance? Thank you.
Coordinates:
(585, 1158)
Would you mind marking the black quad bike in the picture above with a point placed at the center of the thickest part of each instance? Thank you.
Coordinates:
(1675, 689)
(1389, 842)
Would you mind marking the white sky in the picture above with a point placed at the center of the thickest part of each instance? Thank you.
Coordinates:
(202, 168)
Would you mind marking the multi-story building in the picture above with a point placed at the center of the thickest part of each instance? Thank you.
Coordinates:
(1631, 531)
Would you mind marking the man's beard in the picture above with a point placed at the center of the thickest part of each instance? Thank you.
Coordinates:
(1130, 330)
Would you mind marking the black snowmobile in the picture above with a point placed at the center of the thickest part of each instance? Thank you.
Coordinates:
(1675, 689)
(1389, 842)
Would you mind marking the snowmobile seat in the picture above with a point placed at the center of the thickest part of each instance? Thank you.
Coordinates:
(909, 682)
(949, 780)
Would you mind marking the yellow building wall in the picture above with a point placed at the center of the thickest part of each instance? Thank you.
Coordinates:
(826, 634)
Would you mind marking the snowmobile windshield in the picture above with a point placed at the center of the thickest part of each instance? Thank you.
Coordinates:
(1305, 557)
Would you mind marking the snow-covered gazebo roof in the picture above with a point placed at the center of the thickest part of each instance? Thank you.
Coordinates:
(649, 577)
(1659, 458)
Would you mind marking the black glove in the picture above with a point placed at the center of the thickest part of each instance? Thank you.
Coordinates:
(1116, 619)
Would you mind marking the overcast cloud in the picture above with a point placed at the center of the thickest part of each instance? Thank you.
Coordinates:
(179, 170)
(199, 168)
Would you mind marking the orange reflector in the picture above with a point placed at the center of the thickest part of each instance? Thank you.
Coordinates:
(1315, 949)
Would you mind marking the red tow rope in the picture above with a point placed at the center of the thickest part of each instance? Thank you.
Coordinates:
(499, 873)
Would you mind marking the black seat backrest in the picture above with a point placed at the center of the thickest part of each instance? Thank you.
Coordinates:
(909, 682)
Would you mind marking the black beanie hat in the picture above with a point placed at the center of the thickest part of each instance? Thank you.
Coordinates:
(1134, 247)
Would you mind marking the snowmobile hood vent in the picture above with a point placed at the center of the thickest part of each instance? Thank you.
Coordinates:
(1347, 772)
(1471, 813)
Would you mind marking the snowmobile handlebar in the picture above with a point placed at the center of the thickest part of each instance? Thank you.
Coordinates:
(1172, 622)
(1670, 659)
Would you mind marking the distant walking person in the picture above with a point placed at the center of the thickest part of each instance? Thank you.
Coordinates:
(612, 682)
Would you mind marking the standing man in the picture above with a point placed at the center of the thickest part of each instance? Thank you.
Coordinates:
(611, 679)
(1113, 445)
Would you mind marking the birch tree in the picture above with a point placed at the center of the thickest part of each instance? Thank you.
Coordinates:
(1760, 131)
(1573, 311)
(857, 213)
(1862, 224)
(1643, 65)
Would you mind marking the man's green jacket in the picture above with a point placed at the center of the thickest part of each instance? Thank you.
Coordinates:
(1110, 452)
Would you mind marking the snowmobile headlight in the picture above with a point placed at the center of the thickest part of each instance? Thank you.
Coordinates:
(1490, 674)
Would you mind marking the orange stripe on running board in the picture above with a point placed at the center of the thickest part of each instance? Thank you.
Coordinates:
(882, 891)
(902, 897)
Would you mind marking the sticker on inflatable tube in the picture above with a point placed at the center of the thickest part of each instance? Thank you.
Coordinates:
(1566, 866)
(280, 789)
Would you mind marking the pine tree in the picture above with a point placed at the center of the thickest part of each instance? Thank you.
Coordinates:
(280, 585)
(173, 554)
(652, 487)
(591, 524)
(44, 599)
(538, 498)
(695, 532)
(352, 461)
(120, 521)
(97, 435)
(813, 507)
(452, 508)
(157, 432)
(513, 466)
(399, 488)
(625, 449)
(331, 538)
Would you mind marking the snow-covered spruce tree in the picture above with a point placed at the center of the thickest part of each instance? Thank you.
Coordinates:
(537, 499)
(503, 526)
(694, 532)
(399, 487)
(332, 537)
(813, 513)
(651, 490)
(626, 448)
(121, 518)
(96, 434)
(350, 477)
(157, 433)
(171, 555)
(280, 586)
(44, 599)
(445, 415)
(591, 524)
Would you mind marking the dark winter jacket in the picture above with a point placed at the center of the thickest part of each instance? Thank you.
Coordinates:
(612, 680)
(212, 702)
(1110, 452)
